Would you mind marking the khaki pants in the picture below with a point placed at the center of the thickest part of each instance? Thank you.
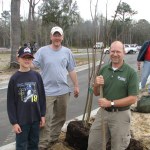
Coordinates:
(56, 107)
(117, 127)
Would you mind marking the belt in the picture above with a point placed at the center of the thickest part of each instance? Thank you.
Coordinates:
(114, 109)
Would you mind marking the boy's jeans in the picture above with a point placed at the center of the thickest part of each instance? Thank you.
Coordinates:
(28, 139)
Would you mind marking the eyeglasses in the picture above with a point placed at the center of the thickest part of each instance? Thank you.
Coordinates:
(115, 51)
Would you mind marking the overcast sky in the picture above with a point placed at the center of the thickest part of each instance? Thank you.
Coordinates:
(142, 6)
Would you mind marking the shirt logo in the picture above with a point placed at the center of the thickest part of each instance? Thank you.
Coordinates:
(121, 78)
(27, 92)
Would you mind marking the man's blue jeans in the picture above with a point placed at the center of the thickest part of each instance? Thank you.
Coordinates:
(145, 74)
(28, 139)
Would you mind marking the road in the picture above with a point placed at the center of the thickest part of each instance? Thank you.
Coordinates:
(75, 106)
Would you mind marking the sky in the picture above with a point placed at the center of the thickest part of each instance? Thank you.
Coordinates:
(140, 6)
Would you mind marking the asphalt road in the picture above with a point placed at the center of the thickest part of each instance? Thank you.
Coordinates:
(75, 106)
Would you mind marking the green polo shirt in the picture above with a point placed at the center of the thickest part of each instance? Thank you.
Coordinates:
(120, 83)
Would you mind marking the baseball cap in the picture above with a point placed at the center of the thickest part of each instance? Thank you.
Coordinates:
(25, 51)
(57, 29)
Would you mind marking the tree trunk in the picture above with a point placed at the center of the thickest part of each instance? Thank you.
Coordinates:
(15, 30)
(29, 21)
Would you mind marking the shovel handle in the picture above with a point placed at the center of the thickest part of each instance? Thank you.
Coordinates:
(102, 122)
(101, 91)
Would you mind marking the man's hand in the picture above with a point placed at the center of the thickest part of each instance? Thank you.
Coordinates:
(103, 102)
(17, 129)
(76, 91)
(99, 80)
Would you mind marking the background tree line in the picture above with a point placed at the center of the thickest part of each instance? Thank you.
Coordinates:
(78, 32)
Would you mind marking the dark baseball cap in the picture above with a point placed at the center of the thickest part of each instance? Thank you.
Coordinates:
(25, 51)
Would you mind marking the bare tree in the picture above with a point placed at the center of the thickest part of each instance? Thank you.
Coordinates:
(93, 73)
(15, 31)
(6, 27)
(31, 34)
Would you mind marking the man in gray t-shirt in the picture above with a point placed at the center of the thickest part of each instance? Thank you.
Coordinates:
(55, 62)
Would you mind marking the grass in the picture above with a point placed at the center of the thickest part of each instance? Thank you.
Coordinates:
(83, 61)
(5, 61)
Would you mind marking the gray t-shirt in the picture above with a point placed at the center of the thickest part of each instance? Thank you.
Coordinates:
(54, 67)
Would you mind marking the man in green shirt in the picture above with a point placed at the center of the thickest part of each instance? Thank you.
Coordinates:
(120, 88)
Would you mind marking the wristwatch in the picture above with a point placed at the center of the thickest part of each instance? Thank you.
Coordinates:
(112, 103)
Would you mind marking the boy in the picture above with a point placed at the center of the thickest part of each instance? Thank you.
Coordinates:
(26, 103)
